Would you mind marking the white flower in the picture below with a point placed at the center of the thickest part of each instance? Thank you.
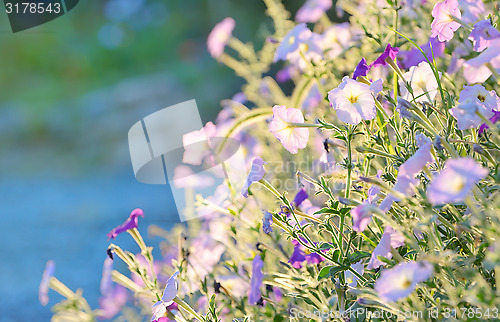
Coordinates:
(170, 292)
(353, 101)
(422, 82)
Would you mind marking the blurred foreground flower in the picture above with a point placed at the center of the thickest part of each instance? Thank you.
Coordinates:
(455, 182)
(219, 36)
(43, 291)
(399, 281)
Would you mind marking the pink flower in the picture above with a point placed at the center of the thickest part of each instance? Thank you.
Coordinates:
(131, 222)
(292, 138)
(353, 101)
(483, 34)
(413, 57)
(443, 25)
(219, 37)
(475, 70)
(312, 10)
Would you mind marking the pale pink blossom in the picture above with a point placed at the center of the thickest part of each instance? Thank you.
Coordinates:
(443, 26)
(293, 138)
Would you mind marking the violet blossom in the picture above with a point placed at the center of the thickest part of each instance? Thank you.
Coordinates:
(471, 10)
(350, 278)
(361, 69)
(414, 56)
(256, 173)
(131, 223)
(483, 34)
(267, 221)
(43, 290)
(301, 254)
(389, 53)
(256, 280)
(454, 183)
(495, 118)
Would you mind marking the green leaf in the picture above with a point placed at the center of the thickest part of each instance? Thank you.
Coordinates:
(325, 271)
(356, 256)
(336, 269)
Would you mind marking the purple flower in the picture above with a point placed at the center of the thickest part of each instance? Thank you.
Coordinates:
(114, 298)
(390, 239)
(483, 34)
(495, 118)
(256, 173)
(443, 26)
(219, 37)
(362, 69)
(291, 41)
(413, 57)
(130, 223)
(406, 181)
(293, 138)
(254, 294)
(312, 10)
(160, 308)
(299, 256)
(350, 278)
(300, 197)
(111, 304)
(353, 101)
(401, 280)
(475, 70)
(466, 114)
(361, 216)
(389, 53)
(267, 221)
(455, 182)
(471, 10)
(480, 95)
(43, 291)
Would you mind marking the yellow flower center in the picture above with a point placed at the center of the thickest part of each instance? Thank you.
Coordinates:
(481, 98)
(405, 283)
(353, 99)
(291, 40)
(457, 183)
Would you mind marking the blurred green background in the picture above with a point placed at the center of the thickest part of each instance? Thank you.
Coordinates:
(69, 91)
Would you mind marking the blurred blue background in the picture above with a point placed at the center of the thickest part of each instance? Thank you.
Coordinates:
(69, 91)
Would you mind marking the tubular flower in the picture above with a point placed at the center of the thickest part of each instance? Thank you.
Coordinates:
(219, 37)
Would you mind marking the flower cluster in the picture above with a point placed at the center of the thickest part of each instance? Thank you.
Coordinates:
(377, 191)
